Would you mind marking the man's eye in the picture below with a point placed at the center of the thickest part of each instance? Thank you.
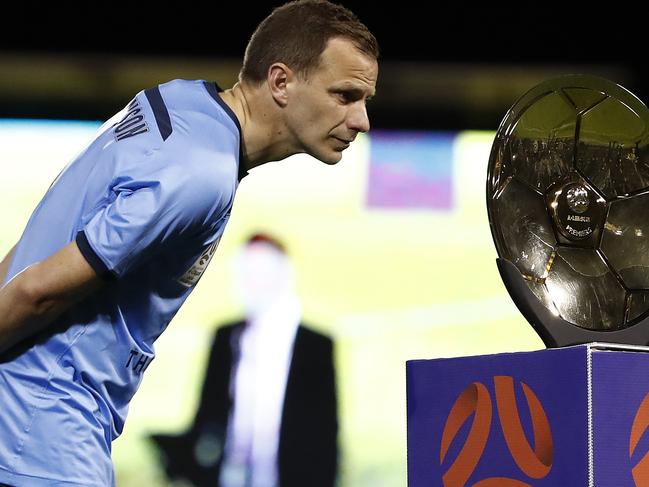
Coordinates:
(348, 97)
(345, 97)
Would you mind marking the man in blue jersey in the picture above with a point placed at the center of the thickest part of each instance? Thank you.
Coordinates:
(126, 230)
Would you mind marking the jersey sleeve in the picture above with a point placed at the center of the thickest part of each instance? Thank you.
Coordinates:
(145, 217)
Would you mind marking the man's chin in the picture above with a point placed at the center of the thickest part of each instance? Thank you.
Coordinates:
(335, 160)
(330, 158)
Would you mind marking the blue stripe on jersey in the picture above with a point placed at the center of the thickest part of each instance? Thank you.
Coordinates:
(160, 111)
(93, 259)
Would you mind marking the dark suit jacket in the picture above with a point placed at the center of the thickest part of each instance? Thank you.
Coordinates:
(308, 448)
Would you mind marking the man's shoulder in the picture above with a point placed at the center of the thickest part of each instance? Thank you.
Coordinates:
(308, 334)
(180, 85)
(193, 168)
(229, 327)
(197, 104)
(224, 332)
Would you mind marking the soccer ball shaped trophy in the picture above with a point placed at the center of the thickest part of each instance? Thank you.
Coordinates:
(568, 205)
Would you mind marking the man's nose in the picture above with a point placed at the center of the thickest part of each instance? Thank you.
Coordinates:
(357, 118)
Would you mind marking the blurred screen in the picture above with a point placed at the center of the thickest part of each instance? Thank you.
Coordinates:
(393, 259)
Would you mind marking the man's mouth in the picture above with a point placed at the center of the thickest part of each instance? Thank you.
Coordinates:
(346, 141)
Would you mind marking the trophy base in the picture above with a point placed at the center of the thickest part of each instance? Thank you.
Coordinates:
(573, 416)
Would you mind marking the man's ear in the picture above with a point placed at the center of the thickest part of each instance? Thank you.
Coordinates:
(278, 78)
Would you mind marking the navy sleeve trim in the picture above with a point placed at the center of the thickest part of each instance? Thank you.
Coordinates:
(159, 111)
(93, 259)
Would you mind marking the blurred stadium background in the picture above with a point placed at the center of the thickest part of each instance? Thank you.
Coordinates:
(392, 247)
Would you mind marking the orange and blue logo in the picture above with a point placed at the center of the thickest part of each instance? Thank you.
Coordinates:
(477, 405)
(552, 418)
(640, 425)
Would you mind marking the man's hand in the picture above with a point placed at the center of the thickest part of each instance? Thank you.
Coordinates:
(35, 297)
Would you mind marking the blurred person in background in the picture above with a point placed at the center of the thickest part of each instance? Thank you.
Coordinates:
(126, 230)
(267, 415)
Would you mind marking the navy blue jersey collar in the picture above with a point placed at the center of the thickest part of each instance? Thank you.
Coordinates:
(214, 89)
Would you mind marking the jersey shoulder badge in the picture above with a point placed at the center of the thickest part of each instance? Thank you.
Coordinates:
(194, 273)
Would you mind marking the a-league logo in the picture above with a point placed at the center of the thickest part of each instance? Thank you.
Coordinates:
(476, 401)
(640, 425)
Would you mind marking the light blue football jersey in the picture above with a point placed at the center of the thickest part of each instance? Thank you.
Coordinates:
(146, 202)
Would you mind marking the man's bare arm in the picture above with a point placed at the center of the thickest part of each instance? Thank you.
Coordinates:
(4, 265)
(35, 297)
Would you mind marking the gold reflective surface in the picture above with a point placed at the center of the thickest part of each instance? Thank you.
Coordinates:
(625, 241)
(568, 199)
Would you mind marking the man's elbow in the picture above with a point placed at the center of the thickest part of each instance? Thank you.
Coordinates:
(32, 290)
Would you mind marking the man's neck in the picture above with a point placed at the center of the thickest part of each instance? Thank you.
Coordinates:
(263, 134)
